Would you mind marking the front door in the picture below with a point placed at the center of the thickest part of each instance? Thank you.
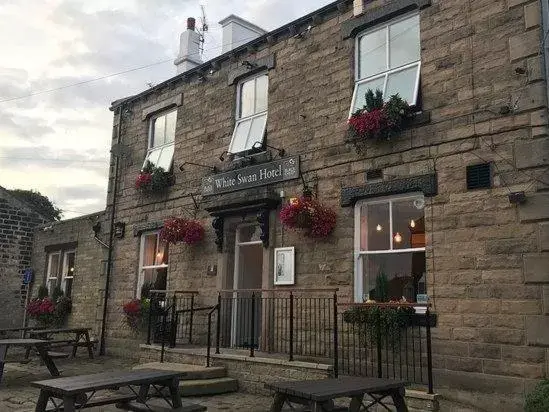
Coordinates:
(248, 270)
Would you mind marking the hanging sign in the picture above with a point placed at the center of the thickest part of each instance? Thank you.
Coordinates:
(252, 176)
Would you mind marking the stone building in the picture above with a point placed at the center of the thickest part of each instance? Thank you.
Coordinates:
(454, 208)
(17, 223)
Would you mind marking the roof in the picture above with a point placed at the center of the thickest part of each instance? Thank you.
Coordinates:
(264, 39)
(89, 216)
(24, 205)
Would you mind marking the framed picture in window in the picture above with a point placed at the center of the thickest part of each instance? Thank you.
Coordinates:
(284, 266)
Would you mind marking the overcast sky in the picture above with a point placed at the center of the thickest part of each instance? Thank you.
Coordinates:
(58, 142)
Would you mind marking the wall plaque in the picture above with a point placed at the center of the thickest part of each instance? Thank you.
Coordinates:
(252, 176)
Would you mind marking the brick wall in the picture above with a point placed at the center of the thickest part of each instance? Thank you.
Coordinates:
(486, 258)
(17, 223)
(88, 283)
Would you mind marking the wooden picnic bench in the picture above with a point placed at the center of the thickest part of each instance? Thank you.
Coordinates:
(23, 330)
(80, 392)
(80, 338)
(41, 347)
(319, 394)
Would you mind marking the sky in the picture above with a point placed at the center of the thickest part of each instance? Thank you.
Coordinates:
(57, 142)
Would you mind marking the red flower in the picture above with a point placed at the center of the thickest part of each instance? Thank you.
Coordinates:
(368, 123)
(309, 214)
(177, 230)
(143, 180)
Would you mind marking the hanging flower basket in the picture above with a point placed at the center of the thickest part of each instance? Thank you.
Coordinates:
(378, 119)
(177, 230)
(317, 220)
(152, 179)
(135, 313)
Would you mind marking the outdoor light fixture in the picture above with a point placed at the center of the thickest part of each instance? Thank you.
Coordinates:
(517, 198)
(281, 152)
(212, 168)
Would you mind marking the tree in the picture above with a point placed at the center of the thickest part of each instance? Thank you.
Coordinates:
(38, 202)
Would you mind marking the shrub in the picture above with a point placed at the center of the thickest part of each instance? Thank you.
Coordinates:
(538, 399)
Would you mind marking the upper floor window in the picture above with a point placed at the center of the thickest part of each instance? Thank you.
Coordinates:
(251, 114)
(388, 58)
(161, 139)
(390, 249)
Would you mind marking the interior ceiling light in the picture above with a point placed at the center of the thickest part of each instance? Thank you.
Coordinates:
(412, 223)
(379, 228)
(398, 237)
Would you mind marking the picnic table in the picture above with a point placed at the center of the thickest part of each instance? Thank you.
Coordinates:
(81, 337)
(24, 330)
(319, 394)
(79, 392)
(41, 347)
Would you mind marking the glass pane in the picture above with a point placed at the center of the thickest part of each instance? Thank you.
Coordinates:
(165, 158)
(393, 276)
(54, 265)
(240, 136)
(170, 126)
(408, 224)
(257, 131)
(247, 97)
(261, 88)
(404, 44)
(68, 287)
(69, 268)
(374, 227)
(248, 233)
(158, 131)
(149, 250)
(362, 88)
(403, 83)
(162, 253)
(372, 53)
(153, 156)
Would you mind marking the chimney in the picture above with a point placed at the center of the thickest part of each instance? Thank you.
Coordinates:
(189, 48)
(237, 31)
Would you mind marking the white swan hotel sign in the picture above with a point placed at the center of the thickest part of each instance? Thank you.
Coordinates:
(257, 175)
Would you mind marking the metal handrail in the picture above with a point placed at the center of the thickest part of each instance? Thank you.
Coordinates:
(173, 291)
(208, 349)
(281, 290)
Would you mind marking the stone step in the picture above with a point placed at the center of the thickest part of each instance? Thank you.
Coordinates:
(213, 386)
(193, 372)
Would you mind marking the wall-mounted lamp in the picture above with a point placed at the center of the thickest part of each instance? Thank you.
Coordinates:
(249, 65)
(258, 145)
(212, 168)
(517, 198)
(222, 156)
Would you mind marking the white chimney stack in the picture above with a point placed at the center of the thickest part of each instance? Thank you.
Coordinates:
(189, 48)
(237, 31)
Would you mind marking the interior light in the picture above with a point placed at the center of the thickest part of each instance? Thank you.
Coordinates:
(379, 228)
(159, 257)
(398, 237)
(412, 223)
(71, 270)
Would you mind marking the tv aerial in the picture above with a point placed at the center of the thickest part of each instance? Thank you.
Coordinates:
(203, 28)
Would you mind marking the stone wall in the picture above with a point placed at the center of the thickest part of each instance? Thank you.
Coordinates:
(483, 95)
(17, 223)
(90, 266)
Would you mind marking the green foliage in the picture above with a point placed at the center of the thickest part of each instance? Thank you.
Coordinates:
(160, 179)
(538, 399)
(378, 322)
(373, 100)
(42, 292)
(56, 294)
(396, 111)
(146, 290)
(382, 286)
(63, 307)
(38, 202)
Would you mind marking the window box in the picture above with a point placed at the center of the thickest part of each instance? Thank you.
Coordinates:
(153, 179)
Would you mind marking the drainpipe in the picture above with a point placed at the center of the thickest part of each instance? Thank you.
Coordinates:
(545, 42)
(111, 235)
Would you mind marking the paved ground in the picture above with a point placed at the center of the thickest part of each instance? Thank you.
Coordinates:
(16, 394)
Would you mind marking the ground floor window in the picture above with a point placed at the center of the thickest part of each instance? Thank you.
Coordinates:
(390, 249)
(153, 264)
(61, 271)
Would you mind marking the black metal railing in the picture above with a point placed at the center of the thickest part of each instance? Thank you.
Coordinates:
(298, 322)
(385, 341)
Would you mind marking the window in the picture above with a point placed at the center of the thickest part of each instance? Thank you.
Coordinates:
(153, 263)
(60, 271)
(251, 115)
(161, 140)
(390, 249)
(388, 59)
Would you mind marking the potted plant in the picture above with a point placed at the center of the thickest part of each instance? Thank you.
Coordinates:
(49, 311)
(152, 179)
(378, 119)
(176, 230)
(307, 213)
(136, 312)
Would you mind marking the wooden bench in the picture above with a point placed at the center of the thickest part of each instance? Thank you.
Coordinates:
(319, 394)
(139, 407)
(81, 338)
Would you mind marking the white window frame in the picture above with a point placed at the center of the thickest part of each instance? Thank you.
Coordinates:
(240, 119)
(64, 277)
(49, 277)
(140, 275)
(359, 81)
(161, 147)
(358, 253)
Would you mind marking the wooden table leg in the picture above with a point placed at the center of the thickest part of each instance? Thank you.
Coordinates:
(3, 351)
(68, 404)
(48, 361)
(174, 393)
(43, 399)
(75, 344)
(356, 403)
(398, 400)
(143, 393)
(278, 402)
(89, 344)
